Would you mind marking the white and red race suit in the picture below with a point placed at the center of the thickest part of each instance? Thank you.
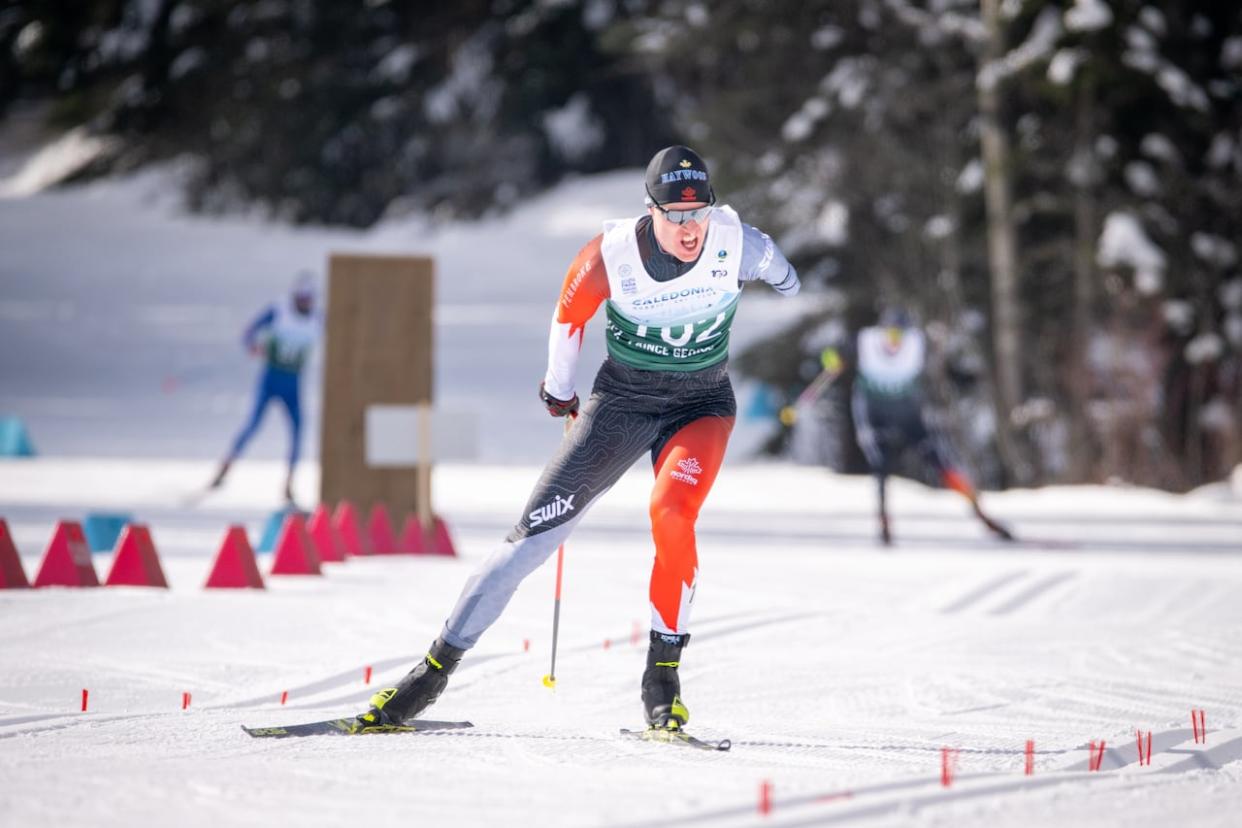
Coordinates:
(663, 389)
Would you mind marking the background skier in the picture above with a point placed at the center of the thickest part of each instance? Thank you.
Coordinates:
(283, 334)
(888, 406)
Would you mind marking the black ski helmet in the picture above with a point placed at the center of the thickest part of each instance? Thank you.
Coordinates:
(678, 174)
(896, 316)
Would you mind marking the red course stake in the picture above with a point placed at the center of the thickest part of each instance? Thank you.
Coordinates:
(1096, 759)
(1144, 754)
(526, 645)
(85, 696)
(1198, 720)
(1030, 757)
(284, 696)
(185, 701)
(366, 679)
(948, 762)
(765, 797)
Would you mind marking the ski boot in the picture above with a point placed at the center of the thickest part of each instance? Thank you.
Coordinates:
(289, 501)
(661, 686)
(218, 480)
(998, 529)
(416, 690)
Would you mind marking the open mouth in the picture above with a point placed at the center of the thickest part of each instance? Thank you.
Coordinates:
(690, 243)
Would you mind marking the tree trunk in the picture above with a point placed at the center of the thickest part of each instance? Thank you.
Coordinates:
(1082, 452)
(1002, 249)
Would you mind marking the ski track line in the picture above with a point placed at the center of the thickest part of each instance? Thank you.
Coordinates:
(1056, 545)
(982, 591)
(358, 696)
(892, 798)
(90, 618)
(1032, 592)
(349, 677)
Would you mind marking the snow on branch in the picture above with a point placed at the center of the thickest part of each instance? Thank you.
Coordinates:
(1088, 16)
(935, 27)
(1123, 243)
(1038, 46)
(1142, 56)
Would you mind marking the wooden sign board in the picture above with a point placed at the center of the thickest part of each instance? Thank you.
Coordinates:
(377, 351)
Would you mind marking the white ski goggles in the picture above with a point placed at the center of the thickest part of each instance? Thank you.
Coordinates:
(698, 214)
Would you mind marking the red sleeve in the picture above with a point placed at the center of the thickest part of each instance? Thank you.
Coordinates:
(585, 287)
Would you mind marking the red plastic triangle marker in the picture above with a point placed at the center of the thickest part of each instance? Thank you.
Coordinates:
(12, 576)
(67, 561)
(136, 562)
(235, 566)
(345, 518)
(327, 540)
(413, 540)
(295, 554)
(379, 529)
(442, 542)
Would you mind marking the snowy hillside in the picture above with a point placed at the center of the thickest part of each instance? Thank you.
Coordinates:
(121, 318)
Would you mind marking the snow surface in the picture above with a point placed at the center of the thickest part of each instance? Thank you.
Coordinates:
(59, 159)
(839, 669)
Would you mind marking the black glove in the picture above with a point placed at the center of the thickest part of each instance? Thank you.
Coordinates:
(559, 408)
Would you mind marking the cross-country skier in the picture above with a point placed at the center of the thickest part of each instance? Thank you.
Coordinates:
(887, 404)
(669, 281)
(283, 334)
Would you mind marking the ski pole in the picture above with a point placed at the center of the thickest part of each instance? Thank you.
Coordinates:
(817, 387)
(830, 362)
(549, 680)
(809, 395)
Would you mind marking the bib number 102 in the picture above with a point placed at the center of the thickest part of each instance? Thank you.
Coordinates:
(687, 331)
